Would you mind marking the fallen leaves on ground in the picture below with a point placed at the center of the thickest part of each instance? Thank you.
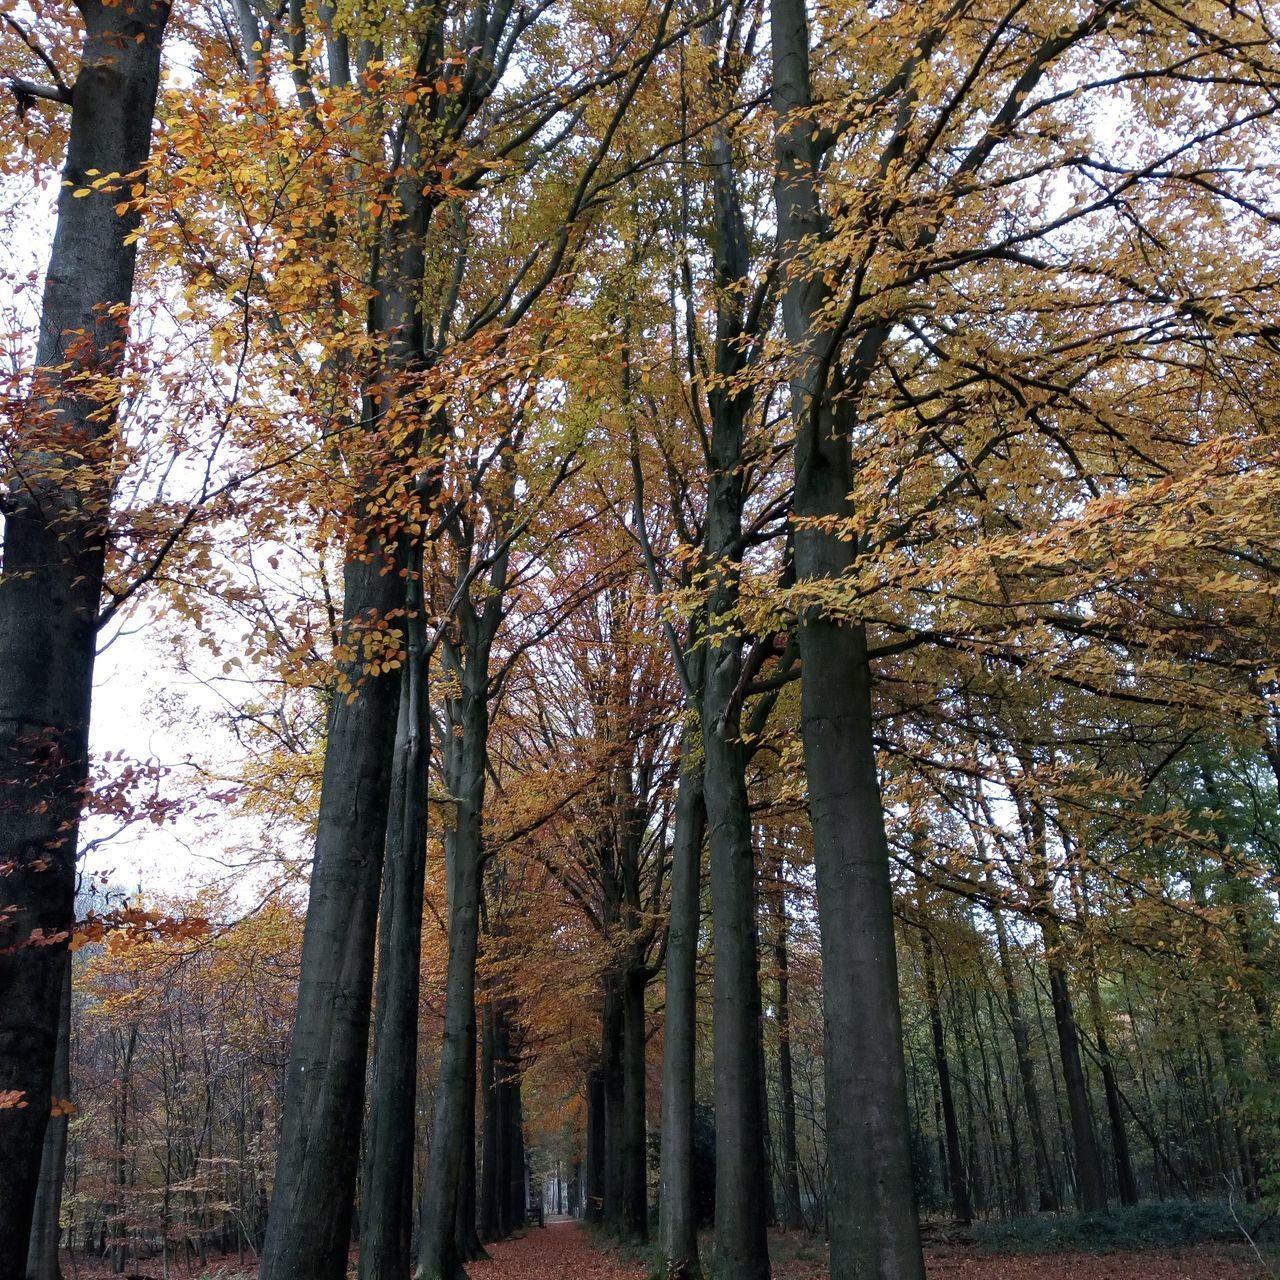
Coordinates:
(560, 1249)
(564, 1250)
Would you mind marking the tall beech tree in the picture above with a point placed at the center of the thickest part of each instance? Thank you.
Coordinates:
(873, 1225)
(57, 489)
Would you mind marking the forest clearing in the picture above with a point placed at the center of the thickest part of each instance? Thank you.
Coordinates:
(661, 614)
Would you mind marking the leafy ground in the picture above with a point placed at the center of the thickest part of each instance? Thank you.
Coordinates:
(565, 1251)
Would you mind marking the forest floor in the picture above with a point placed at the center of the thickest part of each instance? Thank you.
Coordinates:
(564, 1250)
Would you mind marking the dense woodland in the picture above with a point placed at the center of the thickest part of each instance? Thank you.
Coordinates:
(735, 553)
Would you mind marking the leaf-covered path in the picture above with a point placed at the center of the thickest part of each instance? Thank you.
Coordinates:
(564, 1251)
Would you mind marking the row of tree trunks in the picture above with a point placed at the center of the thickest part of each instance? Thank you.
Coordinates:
(309, 1225)
(55, 531)
(448, 1237)
(502, 1198)
(387, 1199)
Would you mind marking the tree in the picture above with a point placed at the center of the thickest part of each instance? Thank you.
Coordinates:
(56, 493)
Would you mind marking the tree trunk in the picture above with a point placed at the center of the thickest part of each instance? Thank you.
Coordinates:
(51, 579)
(635, 1181)
(793, 1215)
(741, 1244)
(1125, 1180)
(387, 1223)
(677, 1221)
(466, 1237)
(956, 1180)
(593, 1174)
(517, 1197)
(874, 1231)
(309, 1224)
(1091, 1187)
(611, 1056)
(491, 1227)
(1027, 1073)
(46, 1227)
(438, 1257)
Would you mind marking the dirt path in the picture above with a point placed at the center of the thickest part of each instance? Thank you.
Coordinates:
(563, 1251)
(559, 1251)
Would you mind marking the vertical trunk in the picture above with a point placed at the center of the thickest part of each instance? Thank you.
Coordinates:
(677, 1221)
(741, 1245)
(741, 1248)
(517, 1192)
(635, 1199)
(46, 1229)
(309, 1225)
(490, 1224)
(1020, 1205)
(769, 1206)
(611, 1055)
(874, 1231)
(793, 1217)
(466, 1237)
(51, 578)
(1125, 1180)
(387, 1188)
(955, 1159)
(593, 1174)
(1026, 1071)
(1090, 1186)
(972, 1166)
(438, 1257)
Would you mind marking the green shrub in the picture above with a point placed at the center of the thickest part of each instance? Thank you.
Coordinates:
(1162, 1223)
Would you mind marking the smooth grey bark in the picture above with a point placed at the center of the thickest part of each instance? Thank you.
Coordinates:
(387, 1186)
(309, 1223)
(51, 578)
(677, 1223)
(46, 1226)
(741, 1242)
(956, 1179)
(792, 1212)
(634, 1154)
(438, 1255)
(464, 756)
(1045, 1182)
(494, 1223)
(874, 1230)
(466, 1238)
